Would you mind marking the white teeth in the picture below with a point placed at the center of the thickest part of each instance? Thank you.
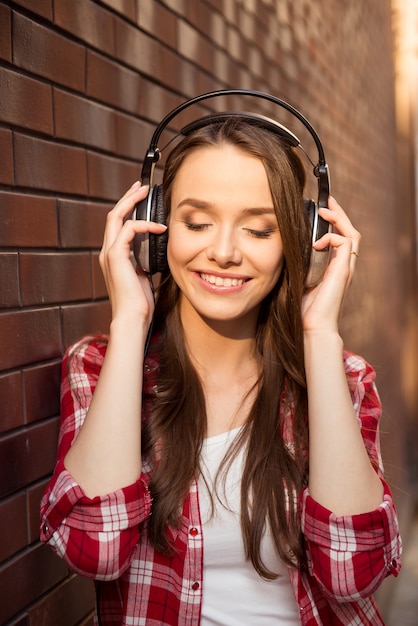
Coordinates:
(222, 282)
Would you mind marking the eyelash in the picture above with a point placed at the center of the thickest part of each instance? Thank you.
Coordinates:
(259, 234)
(195, 227)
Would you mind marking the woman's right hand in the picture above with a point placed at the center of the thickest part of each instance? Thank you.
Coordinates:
(106, 454)
(129, 290)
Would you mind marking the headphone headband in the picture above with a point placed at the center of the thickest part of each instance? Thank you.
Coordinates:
(238, 92)
(151, 251)
(254, 118)
(153, 153)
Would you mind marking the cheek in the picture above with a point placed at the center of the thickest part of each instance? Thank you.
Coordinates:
(273, 262)
(179, 250)
(276, 270)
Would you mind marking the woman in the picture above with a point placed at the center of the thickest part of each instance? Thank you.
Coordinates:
(234, 476)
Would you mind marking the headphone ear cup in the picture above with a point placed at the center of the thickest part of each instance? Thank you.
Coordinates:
(150, 250)
(311, 209)
(319, 258)
(158, 243)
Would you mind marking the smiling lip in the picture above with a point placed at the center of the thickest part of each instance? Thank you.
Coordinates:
(222, 281)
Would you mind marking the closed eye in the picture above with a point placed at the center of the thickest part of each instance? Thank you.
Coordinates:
(195, 227)
(260, 234)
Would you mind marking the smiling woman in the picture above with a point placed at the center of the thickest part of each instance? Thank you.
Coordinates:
(224, 247)
(210, 468)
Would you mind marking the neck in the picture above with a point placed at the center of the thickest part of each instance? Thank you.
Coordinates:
(224, 355)
(224, 347)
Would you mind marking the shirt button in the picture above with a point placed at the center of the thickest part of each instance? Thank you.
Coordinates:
(392, 566)
(195, 586)
(45, 528)
(193, 531)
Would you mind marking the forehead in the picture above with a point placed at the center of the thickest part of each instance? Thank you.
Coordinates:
(224, 176)
(220, 158)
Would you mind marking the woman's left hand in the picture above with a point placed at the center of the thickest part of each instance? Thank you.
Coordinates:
(321, 305)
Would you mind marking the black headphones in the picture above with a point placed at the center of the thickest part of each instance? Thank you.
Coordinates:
(151, 250)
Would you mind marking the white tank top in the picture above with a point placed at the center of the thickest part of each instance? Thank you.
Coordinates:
(233, 593)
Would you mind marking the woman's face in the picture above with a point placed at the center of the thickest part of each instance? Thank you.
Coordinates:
(224, 248)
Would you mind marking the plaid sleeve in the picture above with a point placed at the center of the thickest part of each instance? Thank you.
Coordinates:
(366, 402)
(351, 555)
(95, 536)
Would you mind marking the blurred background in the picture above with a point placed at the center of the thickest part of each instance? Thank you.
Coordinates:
(82, 86)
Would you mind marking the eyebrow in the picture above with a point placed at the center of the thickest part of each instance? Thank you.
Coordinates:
(201, 204)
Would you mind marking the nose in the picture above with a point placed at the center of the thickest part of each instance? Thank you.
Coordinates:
(224, 247)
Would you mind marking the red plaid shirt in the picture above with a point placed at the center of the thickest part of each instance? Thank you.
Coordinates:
(100, 538)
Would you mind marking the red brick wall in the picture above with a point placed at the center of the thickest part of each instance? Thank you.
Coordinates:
(82, 85)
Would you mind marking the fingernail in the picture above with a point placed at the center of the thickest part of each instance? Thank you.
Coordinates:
(136, 184)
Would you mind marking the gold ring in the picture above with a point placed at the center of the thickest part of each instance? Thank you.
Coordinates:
(355, 253)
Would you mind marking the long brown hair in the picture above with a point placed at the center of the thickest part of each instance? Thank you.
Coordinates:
(274, 472)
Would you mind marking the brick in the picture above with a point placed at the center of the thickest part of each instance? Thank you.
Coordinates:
(44, 52)
(41, 391)
(132, 137)
(195, 47)
(27, 220)
(66, 605)
(81, 225)
(99, 285)
(202, 17)
(178, 6)
(218, 29)
(11, 401)
(137, 49)
(17, 90)
(32, 574)
(159, 21)
(156, 102)
(90, 23)
(234, 45)
(34, 494)
(86, 319)
(29, 336)
(47, 165)
(109, 177)
(6, 157)
(175, 71)
(12, 525)
(41, 7)
(5, 34)
(9, 285)
(113, 84)
(126, 7)
(84, 122)
(152, 58)
(27, 455)
(219, 5)
(51, 277)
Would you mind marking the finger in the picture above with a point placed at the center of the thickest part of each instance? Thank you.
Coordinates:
(122, 209)
(342, 225)
(354, 256)
(334, 240)
(120, 247)
(339, 219)
(342, 263)
(336, 216)
(135, 193)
